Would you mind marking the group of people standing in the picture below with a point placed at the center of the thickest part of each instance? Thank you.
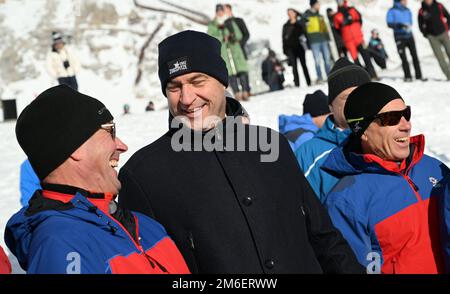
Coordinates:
(304, 31)
(352, 193)
(310, 31)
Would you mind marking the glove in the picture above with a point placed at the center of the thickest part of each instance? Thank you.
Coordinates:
(406, 27)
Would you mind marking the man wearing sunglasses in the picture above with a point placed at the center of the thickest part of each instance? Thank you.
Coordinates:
(73, 225)
(385, 203)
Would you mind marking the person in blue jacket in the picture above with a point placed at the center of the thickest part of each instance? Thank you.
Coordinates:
(299, 129)
(399, 18)
(29, 182)
(343, 79)
(73, 225)
(386, 202)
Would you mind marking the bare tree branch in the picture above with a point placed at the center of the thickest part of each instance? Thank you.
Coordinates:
(142, 54)
(196, 20)
(202, 15)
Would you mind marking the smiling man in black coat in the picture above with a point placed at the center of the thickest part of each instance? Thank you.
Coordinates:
(240, 207)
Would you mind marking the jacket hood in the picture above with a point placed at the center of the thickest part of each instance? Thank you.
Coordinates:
(21, 226)
(287, 123)
(330, 133)
(343, 161)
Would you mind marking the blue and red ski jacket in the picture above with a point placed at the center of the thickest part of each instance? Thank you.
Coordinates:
(389, 210)
(75, 233)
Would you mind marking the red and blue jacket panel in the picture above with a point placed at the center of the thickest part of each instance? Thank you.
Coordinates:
(389, 210)
(62, 233)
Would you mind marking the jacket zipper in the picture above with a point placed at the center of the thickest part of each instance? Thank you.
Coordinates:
(150, 259)
(192, 247)
(393, 262)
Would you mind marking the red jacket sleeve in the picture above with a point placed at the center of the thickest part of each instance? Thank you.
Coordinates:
(5, 265)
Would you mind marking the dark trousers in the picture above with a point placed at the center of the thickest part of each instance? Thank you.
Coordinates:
(69, 81)
(378, 57)
(276, 81)
(367, 61)
(240, 82)
(293, 55)
(409, 43)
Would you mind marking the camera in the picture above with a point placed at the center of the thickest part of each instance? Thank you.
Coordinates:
(66, 64)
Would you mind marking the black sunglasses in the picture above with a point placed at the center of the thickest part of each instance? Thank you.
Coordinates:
(110, 128)
(392, 118)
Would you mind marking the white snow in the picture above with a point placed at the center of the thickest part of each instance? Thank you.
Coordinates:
(429, 100)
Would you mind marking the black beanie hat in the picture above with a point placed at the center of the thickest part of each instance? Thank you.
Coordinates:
(316, 104)
(365, 102)
(190, 51)
(55, 124)
(313, 2)
(344, 75)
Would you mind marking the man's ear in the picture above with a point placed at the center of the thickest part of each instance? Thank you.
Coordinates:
(78, 154)
(364, 137)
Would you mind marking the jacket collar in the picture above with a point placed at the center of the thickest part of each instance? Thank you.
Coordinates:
(330, 133)
(347, 160)
(66, 193)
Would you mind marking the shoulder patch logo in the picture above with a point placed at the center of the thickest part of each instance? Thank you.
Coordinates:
(434, 182)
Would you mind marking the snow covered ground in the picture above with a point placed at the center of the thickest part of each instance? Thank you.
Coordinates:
(430, 101)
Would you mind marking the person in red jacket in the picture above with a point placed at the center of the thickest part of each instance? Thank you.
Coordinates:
(348, 22)
(5, 265)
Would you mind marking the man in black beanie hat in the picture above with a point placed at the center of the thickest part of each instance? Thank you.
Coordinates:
(343, 79)
(222, 205)
(73, 224)
(384, 203)
(299, 129)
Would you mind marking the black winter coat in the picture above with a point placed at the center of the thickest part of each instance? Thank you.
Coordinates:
(228, 212)
(291, 36)
(433, 20)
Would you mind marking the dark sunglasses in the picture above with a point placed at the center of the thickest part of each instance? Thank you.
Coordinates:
(392, 118)
(110, 128)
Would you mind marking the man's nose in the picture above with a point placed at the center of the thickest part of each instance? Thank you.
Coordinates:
(187, 94)
(404, 124)
(121, 146)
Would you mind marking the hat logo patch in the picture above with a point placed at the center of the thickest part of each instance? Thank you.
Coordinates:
(178, 65)
(357, 127)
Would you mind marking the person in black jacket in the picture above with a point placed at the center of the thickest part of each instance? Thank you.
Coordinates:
(295, 44)
(342, 51)
(229, 211)
(434, 20)
(272, 72)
